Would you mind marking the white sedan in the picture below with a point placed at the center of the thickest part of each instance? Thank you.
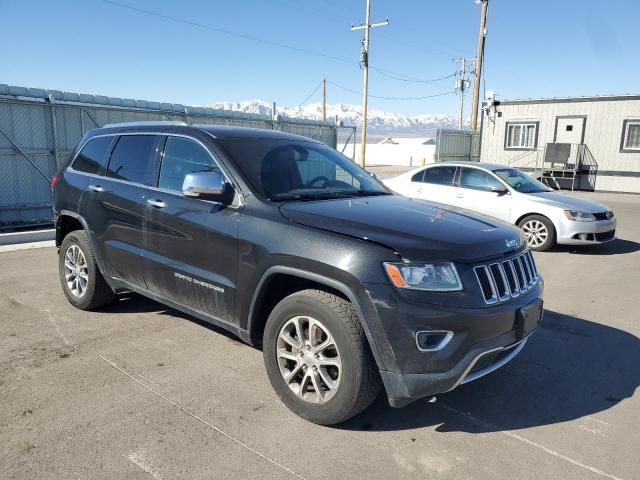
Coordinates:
(546, 216)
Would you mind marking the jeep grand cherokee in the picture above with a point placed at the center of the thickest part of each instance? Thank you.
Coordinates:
(289, 245)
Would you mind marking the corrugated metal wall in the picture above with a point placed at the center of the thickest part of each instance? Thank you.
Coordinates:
(457, 145)
(602, 135)
(39, 129)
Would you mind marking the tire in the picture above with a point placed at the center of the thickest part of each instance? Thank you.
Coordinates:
(96, 292)
(355, 384)
(541, 234)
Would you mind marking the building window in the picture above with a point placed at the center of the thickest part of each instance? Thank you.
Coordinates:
(521, 136)
(631, 136)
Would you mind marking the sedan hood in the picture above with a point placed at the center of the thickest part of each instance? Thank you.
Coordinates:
(567, 202)
(416, 229)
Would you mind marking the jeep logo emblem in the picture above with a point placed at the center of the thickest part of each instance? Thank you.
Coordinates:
(512, 243)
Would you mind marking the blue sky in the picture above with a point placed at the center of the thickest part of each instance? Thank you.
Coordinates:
(538, 48)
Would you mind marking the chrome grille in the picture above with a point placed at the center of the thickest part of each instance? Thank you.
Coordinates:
(503, 280)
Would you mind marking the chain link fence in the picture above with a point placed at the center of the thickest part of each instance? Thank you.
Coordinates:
(40, 128)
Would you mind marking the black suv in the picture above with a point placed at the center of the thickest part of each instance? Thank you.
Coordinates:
(289, 245)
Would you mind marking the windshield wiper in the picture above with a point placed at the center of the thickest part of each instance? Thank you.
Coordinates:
(365, 193)
(307, 196)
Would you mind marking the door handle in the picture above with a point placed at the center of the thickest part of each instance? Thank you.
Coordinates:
(156, 203)
(419, 190)
(96, 188)
(460, 195)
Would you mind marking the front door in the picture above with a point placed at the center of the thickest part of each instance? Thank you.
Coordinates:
(474, 192)
(570, 129)
(190, 245)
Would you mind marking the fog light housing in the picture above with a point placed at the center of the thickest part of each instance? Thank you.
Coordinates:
(434, 340)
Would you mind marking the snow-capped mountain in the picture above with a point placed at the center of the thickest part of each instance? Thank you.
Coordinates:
(381, 123)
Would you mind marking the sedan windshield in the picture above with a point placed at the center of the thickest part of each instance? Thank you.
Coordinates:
(521, 182)
(297, 170)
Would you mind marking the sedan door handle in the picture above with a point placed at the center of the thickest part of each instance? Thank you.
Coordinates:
(156, 203)
(460, 195)
(96, 188)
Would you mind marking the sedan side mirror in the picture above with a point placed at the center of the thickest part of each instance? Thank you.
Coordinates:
(500, 190)
(206, 186)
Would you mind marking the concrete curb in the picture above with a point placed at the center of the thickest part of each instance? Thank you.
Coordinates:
(14, 238)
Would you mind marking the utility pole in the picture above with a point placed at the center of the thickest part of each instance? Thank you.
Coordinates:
(478, 70)
(324, 99)
(364, 60)
(461, 86)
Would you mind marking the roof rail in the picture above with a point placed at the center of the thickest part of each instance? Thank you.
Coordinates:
(145, 123)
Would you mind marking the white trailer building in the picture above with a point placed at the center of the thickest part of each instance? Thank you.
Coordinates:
(588, 143)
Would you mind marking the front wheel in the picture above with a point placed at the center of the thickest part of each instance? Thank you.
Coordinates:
(317, 357)
(540, 232)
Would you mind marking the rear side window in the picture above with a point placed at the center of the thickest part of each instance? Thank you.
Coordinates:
(131, 158)
(418, 177)
(440, 175)
(181, 157)
(93, 155)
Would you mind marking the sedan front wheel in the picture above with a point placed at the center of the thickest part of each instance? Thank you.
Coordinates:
(540, 232)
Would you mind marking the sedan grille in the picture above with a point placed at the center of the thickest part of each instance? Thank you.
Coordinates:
(506, 279)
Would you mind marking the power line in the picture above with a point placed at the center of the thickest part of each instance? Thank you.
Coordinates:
(310, 95)
(240, 35)
(355, 92)
(226, 32)
(405, 79)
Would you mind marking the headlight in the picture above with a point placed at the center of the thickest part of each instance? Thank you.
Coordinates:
(579, 216)
(437, 277)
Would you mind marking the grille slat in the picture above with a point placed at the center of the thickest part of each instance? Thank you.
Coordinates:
(501, 281)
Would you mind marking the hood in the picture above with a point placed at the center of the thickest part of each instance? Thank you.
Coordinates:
(567, 202)
(416, 229)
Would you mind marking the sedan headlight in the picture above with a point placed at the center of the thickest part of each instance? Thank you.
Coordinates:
(579, 216)
(436, 277)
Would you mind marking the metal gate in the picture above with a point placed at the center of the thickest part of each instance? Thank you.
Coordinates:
(39, 129)
(457, 145)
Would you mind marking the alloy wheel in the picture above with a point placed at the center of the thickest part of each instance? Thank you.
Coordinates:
(536, 233)
(308, 359)
(76, 272)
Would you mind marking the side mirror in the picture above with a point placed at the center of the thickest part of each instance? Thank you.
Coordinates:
(500, 190)
(206, 186)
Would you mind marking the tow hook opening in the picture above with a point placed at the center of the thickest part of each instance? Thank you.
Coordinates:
(433, 340)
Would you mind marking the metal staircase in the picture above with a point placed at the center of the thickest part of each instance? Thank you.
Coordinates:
(560, 165)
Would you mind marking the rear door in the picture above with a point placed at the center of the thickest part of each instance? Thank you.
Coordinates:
(435, 184)
(190, 245)
(475, 193)
(113, 205)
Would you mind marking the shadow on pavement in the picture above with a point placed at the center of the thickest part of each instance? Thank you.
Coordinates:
(570, 368)
(615, 247)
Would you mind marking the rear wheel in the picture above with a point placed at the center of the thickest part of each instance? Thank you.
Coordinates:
(81, 280)
(540, 232)
(317, 358)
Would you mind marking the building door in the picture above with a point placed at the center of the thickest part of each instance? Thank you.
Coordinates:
(570, 129)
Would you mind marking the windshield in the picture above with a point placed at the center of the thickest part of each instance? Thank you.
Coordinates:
(521, 182)
(297, 170)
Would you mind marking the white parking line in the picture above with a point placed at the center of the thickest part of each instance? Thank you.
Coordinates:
(55, 325)
(515, 436)
(196, 417)
(138, 459)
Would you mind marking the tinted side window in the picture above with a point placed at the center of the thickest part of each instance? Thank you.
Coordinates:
(439, 175)
(183, 156)
(478, 180)
(131, 158)
(418, 177)
(93, 155)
